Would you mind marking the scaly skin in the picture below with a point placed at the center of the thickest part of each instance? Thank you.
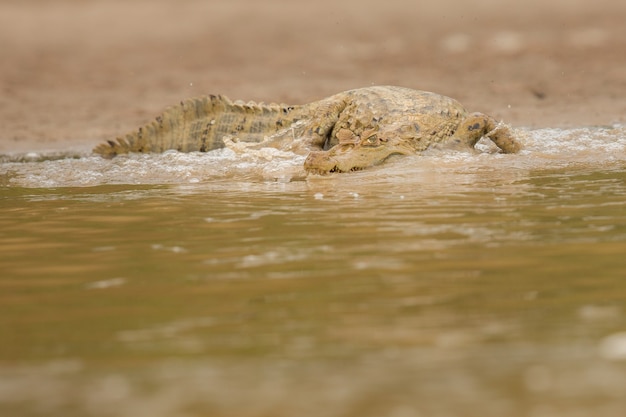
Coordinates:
(345, 132)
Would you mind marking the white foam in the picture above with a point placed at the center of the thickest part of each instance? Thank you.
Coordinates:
(613, 347)
(543, 149)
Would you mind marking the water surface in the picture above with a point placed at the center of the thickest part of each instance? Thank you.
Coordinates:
(231, 283)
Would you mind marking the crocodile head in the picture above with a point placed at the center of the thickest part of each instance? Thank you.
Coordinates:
(356, 152)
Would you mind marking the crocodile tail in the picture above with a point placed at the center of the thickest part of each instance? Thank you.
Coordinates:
(198, 124)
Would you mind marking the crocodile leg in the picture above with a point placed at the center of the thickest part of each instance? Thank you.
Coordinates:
(310, 133)
(477, 125)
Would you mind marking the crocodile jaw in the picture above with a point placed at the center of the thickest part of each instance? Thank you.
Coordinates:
(342, 158)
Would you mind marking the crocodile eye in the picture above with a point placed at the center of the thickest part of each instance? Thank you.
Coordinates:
(371, 141)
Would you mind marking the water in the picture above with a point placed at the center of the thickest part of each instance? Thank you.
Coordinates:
(231, 283)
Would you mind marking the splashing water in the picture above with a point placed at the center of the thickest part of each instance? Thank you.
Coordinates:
(543, 149)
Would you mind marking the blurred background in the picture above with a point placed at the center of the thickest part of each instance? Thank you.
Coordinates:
(75, 72)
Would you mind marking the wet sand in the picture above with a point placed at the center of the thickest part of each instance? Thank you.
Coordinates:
(75, 73)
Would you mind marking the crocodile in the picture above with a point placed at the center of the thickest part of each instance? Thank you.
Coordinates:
(346, 132)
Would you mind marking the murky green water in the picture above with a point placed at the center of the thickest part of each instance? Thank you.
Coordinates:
(463, 285)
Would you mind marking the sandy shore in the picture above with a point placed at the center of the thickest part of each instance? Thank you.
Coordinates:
(74, 73)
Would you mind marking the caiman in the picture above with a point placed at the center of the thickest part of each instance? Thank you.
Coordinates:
(346, 132)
